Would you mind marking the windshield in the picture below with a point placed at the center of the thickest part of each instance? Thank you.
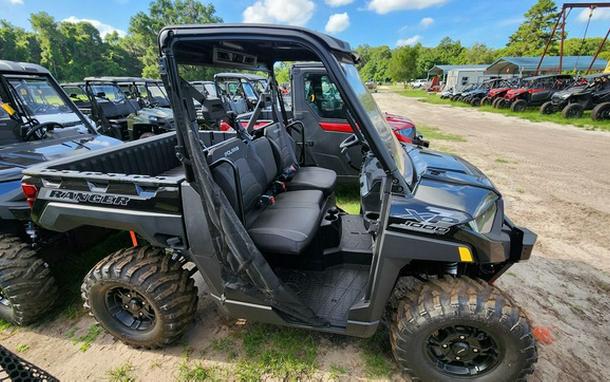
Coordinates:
(379, 122)
(39, 97)
(158, 93)
(108, 92)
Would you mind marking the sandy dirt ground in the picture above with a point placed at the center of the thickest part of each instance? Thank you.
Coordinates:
(555, 180)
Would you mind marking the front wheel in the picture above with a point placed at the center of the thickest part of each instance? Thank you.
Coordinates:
(572, 110)
(142, 296)
(461, 329)
(548, 108)
(518, 106)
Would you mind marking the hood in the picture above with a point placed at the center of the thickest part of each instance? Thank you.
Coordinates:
(403, 127)
(16, 157)
(563, 94)
(448, 187)
(158, 112)
(515, 92)
(497, 91)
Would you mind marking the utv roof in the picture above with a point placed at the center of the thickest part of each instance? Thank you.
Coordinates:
(21, 67)
(247, 76)
(560, 76)
(196, 44)
(120, 79)
(72, 84)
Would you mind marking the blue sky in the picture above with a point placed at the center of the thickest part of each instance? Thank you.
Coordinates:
(375, 22)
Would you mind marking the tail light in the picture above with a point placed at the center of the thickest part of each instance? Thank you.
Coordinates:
(224, 126)
(31, 192)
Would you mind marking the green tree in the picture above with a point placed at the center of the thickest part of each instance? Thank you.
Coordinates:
(376, 66)
(282, 72)
(18, 45)
(144, 26)
(478, 54)
(50, 41)
(532, 35)
(403, 64)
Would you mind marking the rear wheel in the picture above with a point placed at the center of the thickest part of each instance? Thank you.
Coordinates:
(461, 329)
(572, 110)
(547, 108)
(27, 288)
(518, 105)
(475, 101)
(485, 101)
(141, 296)
(601, 111)
(496, 103)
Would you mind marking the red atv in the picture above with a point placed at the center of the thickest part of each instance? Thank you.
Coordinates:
(499, 91)
(535, 91)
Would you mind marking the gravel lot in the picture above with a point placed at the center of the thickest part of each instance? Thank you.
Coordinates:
(555, 180)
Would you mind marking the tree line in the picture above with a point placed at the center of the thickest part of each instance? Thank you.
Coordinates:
(404, 63)
(72, 51)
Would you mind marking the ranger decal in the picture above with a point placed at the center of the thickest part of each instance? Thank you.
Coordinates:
(90, 197)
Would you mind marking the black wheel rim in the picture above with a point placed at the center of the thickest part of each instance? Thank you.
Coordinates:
(130, 308)
(3, 299)
(462, 350)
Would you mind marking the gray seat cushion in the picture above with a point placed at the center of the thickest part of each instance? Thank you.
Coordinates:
(314, 178)
(301, 198)
(285, 230)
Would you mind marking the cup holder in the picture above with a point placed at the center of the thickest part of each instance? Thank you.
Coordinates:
(372, 216)
(331, 218)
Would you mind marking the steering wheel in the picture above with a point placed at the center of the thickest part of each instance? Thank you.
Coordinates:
(40, 131)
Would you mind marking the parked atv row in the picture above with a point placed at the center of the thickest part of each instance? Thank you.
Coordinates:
(259, 222)
(588, 93)
(551, 93)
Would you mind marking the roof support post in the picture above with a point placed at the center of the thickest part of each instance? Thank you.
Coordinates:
(563, 37)
(599, 49)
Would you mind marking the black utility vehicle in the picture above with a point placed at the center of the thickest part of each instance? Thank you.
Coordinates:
(38, 123)
(123, 111)
(268, 239)
(588, 93)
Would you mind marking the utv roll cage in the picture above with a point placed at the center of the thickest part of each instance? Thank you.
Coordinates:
(135, 85)
(257, 48)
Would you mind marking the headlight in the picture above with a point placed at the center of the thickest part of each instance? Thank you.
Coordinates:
(152, 118)
(484, 222)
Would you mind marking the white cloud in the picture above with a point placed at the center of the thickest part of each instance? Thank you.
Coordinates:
(293, 12)
(16, 2)
(337, 23)
(598, 14)
(426, 22)
(386, 6)
(408, 41)
(104, 29)
(338, 3)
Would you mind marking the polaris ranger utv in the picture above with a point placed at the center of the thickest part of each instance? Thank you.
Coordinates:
(534, 91)
(38, 123)
(123, 114)
(265, 233)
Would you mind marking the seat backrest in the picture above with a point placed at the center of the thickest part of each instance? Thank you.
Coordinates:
(240, 155)
(263, 162)
(283, 145)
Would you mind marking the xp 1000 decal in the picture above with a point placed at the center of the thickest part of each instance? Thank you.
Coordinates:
(425, 219)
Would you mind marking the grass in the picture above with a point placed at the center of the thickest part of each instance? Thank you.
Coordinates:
(227, 346)
(123, 373)
(197, 372)
(502, 160)
(348, 199)
(22, 348)
(432, 133)
(280, 353)
(377, 355)
(88, 338)
(337, 371)
(531, 114)
(5, 325)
